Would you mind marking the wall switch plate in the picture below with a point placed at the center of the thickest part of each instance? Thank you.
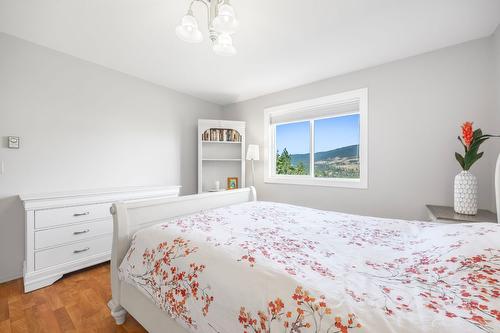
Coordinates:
(13, 142)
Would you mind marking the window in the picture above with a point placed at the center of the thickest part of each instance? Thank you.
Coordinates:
(292, 148)
(336, 147)
(319, 142)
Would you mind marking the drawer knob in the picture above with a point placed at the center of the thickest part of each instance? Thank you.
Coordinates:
(81, 232)
(81, 214)
(82, 250)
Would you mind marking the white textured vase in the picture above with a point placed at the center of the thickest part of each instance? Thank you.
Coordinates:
(466, 189)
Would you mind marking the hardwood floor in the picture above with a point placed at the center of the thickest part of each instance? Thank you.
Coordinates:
(75, 303)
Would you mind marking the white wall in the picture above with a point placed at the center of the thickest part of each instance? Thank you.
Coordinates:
(415, 108)
(496, 50)
(495, 147)
(83, 126)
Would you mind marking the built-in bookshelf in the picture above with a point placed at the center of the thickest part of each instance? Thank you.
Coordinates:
(221, 135)
(221, 153)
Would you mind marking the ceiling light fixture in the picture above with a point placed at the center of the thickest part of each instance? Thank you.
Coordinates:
(222, 23)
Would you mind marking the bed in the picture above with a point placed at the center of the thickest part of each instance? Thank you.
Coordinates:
(226, 263)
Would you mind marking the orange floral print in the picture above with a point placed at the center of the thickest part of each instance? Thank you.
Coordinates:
(248, 257)
(171, 286)
(471, 297)
(309, 315)
(450, 276)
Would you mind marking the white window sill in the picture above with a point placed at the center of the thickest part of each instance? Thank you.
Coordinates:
(328, 182)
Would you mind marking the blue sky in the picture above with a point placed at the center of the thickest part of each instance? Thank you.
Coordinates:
(330, 134)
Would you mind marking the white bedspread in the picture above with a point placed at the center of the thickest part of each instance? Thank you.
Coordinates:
(268, 267)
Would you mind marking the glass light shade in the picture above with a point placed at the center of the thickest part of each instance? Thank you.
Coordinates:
(188, 30)
(226, 21)
(224, 45)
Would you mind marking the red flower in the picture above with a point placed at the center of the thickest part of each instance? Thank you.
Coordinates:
(450, 314)
(467, 133)
(479, 319)
(171, 286)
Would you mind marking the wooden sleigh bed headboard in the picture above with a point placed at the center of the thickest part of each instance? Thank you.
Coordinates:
(129, 217)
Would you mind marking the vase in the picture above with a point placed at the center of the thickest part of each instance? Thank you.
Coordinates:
(466, 188)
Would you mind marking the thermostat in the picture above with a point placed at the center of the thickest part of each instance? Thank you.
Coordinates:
(13, 142)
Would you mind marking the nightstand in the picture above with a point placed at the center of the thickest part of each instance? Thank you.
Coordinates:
(445, 214)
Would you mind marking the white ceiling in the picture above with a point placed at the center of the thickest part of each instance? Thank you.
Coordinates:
(281, 43)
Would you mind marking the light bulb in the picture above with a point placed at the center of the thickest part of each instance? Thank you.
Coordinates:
(226, 21)
(188, 30)
(224, 45)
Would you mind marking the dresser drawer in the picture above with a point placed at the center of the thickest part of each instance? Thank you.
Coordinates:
(72, 233)
(71, 252)
(52, 217)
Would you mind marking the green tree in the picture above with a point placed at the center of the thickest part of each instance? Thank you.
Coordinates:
(300, 169)
(284, 164)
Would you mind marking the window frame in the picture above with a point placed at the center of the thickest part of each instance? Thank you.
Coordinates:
(360, 96)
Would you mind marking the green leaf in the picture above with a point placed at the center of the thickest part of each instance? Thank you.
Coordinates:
(488, 136)
(468, 158)
(477, 142)
(460, 139)
(460, 160)
(474, 160)
(471, 155)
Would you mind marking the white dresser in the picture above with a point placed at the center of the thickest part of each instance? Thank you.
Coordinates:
(69, 231)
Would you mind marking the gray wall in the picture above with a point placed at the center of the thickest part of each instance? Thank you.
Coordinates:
(415, 108)
(495, 147)
(496, 38)
(83, 126)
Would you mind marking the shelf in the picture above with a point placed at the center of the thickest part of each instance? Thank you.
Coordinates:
(232, 142)
(223, 159)
(220, 160)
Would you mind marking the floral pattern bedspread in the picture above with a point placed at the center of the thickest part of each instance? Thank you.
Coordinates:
(268, 267)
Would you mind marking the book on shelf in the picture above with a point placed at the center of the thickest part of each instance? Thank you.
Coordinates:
(221, 135)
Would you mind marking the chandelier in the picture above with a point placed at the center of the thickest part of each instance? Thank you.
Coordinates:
(222, 23)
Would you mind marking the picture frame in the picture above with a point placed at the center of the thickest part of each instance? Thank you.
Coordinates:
(232, 183)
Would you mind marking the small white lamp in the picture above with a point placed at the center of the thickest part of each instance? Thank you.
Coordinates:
(253, 155)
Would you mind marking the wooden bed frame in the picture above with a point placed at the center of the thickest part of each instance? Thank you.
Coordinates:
(128, 217)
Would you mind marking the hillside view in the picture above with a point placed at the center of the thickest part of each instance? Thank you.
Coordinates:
(337, 163)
